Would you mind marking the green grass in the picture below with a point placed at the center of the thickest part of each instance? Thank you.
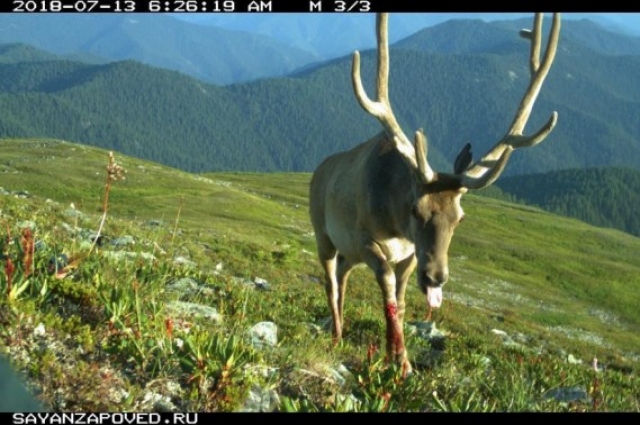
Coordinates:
(565, 287)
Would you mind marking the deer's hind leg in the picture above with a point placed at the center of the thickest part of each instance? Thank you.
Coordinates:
(343, 271)
(328, 256)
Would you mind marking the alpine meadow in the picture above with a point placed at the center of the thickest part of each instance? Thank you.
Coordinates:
(163, 211)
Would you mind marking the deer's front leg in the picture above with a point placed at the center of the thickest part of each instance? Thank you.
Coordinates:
(376, 260)
(403, 272)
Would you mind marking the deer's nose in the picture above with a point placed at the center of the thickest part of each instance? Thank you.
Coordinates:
(438, 279)
(441, 278)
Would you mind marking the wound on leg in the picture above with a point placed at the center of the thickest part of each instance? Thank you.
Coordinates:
(392, 311)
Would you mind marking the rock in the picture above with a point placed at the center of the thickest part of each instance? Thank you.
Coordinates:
(157, 402)
(260, 400)
(567, 394)
(182, 308)
(339, 375)
(188, 285)
(262, 284)
(572, 360)
(511, 343)
(264, 334)
(122, 255)
(425, 330)
(122, 241)
(39, 331)
(508, 341)
(313, 328)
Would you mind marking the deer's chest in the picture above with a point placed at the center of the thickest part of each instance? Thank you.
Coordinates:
(396, 249)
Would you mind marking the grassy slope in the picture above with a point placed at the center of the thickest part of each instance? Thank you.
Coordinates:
(567, 286)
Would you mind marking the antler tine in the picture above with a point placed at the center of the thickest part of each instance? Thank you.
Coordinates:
(535, 37)
(382, 37)
(381, 107)
(496, 158)
(538, 71)
(421, 153)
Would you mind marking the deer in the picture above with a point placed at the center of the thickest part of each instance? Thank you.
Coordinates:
(381, 205)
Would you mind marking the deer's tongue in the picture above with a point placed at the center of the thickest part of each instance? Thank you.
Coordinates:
(434, 296)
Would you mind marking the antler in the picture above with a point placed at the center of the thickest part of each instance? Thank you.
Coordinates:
(381, 108)
(485, 171)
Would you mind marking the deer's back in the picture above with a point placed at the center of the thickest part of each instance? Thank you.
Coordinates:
(359, 192)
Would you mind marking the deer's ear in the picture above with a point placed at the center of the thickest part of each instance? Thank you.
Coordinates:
(463, 160)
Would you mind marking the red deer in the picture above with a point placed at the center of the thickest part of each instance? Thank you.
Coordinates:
(381, 204)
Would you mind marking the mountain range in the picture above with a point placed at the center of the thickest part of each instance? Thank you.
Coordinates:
(292, 123)
(211, 54)
(230, 48)
(324, 34)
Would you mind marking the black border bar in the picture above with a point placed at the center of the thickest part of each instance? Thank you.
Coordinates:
(309, 6)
